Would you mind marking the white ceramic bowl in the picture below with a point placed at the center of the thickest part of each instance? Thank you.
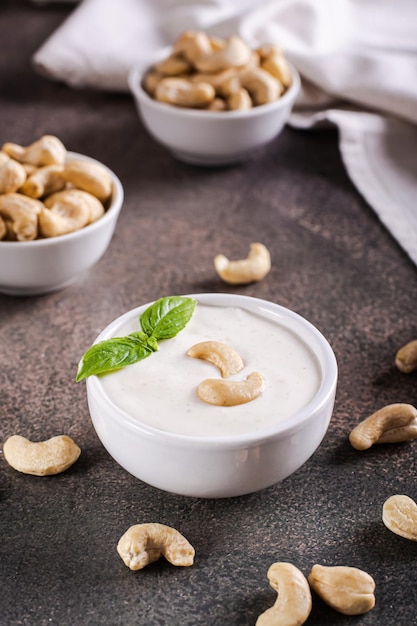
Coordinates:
(45, 265)
(207, 137)
(222, 466)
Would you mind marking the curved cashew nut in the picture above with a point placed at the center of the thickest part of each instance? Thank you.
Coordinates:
(399, 515)
(90, 177)
(145, 543)
(173, 66)
(12, 174)
(219, 81)
(234, 53)
(239, 100)
(184, 93)
(348, 590)
(293, 604)
(262, 86)
(44, 180)
(192, 44)
(406, 357)
(230, 392)
(219, 354)
(393, 423)
(47, 150)
(68, 210)
(43, 458)
(255, 267)
(20, 215)
(273, 61)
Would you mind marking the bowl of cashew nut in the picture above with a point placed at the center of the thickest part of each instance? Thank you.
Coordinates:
(210, 395)
(58, 212)
(214, 101)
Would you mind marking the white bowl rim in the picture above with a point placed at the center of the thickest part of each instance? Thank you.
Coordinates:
(137, 72)
(115, 206)
(285, 428)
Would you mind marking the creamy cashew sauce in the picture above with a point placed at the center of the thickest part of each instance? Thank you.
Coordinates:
(161, 390)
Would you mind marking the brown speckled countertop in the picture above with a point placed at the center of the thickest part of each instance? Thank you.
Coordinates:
(333, 262)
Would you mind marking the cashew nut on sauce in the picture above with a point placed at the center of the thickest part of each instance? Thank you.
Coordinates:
(254, 268)
(230, 392)
(399, 514)
(43, 458)
(239, 78)
(393, 423)
(30, 180)
(219, 354)
(293, 604)
(348, 590)
(143, 544)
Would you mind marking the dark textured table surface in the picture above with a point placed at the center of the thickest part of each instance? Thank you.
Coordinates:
(333, 262)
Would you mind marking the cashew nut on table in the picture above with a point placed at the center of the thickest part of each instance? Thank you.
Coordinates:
(216, 74)
(31, 178)
(42, 458)
(254, 268)
(293, 604)
(348, 590)
(143, 544)
(394, 423)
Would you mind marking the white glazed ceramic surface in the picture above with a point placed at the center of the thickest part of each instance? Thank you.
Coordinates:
(219, 466)
(45, 265)
(207, 137)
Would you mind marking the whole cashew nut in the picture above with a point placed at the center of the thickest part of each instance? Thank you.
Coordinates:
(235, 53)
(20, 215)
(68, 210)
(348, 590)
(273, 61)
(88, 176)
(192, 44)
(47, 150)
(143, 544)
(255, 267)
(406, 357)
(293, 604)
(173, 65)
(183, 93)
(12, 174)
(42, 458)
(44, 180)
(399, 515)
(262, 86)
(219, 354)
(393, 423)
(230, 392)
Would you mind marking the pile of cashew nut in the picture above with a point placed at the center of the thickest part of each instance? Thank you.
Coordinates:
(44, 194)
(217, 74)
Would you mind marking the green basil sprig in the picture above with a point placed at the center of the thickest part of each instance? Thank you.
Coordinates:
(164, 319)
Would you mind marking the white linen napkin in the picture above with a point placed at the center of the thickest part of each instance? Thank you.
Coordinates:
(357, 59)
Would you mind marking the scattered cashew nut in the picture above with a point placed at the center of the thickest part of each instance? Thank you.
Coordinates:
(293, 604)
(47, 150)
(254, 268)
(406, 357)
(20, 215)
(399, 514)
(393, 423)
(230, 392)
(12, 174)
(42, 458)
(348, 590)
(219, 354)
(143, 544)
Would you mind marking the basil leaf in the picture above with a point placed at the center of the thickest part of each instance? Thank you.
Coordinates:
(166, 317)
(113, 354)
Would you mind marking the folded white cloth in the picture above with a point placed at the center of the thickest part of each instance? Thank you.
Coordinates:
(357, 58)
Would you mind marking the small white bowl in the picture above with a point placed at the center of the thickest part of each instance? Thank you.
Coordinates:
(219, 466)
(44, 265)
(207, 137)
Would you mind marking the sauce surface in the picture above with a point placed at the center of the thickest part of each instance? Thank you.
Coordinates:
(161, 390)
